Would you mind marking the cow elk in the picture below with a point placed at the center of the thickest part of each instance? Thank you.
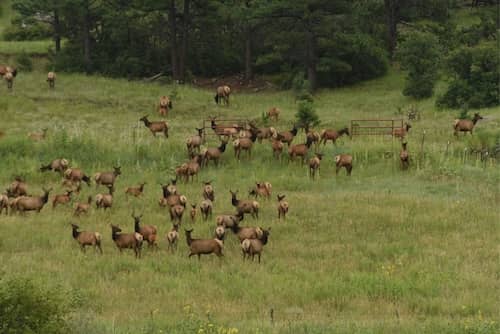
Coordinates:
(282, 207)
(343, 161)
(127, 240)
(222, 94)
(155, 127)
(203, 246)
(466, 125)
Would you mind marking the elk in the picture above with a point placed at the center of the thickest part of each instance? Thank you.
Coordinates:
(404, 157)
(165, 104)
(262, 189)
(194, 142)
(246, 232)
(208, 191)
(107, 178)
(148, 232)
(206, 209)
(76, 175)
(51, 79)
(192, 213)
(57, 165)
(130, 240)
(401, 132)
(274, 114)
(228, 220)
(223, 131)
(244, 144)
(465, 125)
(82, 207)
(277, 147)
(222, 94)
(173, 237)
(38, 136)
(136, 191)
(252, 247)
(333, 135)
(4, 69)
(343, 160)
(62, 198)
(299, 150)
(193, 167)
(176, 212)
(155, 127)
(266, 133)
(85, 238)
(245, 206)
(214, 153)
(104, 201)
(282, 206)
(171, 197)
(314, 137)
(4, 203)
(17, 188)
(9, 79)
(287, 136)
(314, 164)
(203, 246)
(32, 203)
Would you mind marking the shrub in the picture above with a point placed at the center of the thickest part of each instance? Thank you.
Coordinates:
(419, 54)
(24, 62)
(474, 78)
(26, 308)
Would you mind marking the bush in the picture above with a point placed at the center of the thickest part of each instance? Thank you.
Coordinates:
(26, 308)
(24, 62)
(22, 31)
(419, 54)
(474, 78)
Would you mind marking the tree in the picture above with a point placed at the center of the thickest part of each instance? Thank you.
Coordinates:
(419, 54)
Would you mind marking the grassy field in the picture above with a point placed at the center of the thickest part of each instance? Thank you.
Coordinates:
(382, 251)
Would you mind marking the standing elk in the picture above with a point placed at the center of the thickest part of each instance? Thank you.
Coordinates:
(165, 104)
(245, 206)
(404, 157)
(465, 125)
(85, 238)
(194, 142)
(155, 127)
(62, 198)
(76, 175)
(214, 153)
(222, 94)
(51, 79)
(287, 136)
(252, 247)
(343, 160)
(57, 165)
(107, 178)
(282, 206)
(208, 191)
(127, 240)
(333, 135)
(401, 132)
(203, 246)
(273, 113)
(82, 207)
(314, 165)
(32, 203)
(148, 232)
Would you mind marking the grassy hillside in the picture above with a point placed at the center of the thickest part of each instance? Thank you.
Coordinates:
(382, 251)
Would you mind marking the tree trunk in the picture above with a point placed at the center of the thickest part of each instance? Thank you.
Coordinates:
(392, 19)
(312, 75)
(86, 41)
(57, 31)
(184, 43)
(248, 55)
(172, 16)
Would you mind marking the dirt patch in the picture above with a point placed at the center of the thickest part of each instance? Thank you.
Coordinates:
(236, 82)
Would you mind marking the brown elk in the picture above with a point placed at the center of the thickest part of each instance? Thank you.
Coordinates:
(466, 125)
(314, 164)
(104, 201)
(404, 157)
(343, 160)
(32, 203)
(62, 198)
(127, 240)
(17, 188)
(107, 178)
(214, 153)
(38, 136)
(165, 104)
(245, 206)
(9, 79)
(173, 237)
(194, 142)
(287, 136)
(82, 207)
(333, 135)
(223, 131)
(252, 247)
(148, 232)
(76, 175)
(262, 189)
(203, 246)
(136, 191)
(155, 127)
(277, 147)
(299, 150)
(85, 238)
(401, 132)
(57, 165)
(222, 94)
(274, 114)
(208, 191)
(206, 207)
(51, 79)
(282, 207)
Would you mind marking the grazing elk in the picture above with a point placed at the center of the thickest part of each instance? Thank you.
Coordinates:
(262, 189)
(194, 142)
(466, 125)
(245, 206)
(299, 150)
(155, 127)
(104, 201)
(287, 136)
(214, 153)
(62, 198)
(82, 207)
(76, 175)
(57, 165)
(401, 132)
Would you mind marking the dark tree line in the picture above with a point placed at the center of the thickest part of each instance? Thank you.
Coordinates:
(329, 42)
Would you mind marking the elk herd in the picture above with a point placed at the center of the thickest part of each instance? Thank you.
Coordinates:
(241, 137)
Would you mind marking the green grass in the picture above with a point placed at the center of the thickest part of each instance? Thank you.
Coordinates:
(5, 15)
(383, 251)
(29, 47)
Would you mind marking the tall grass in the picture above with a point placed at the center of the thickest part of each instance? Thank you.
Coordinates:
(383, 251)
